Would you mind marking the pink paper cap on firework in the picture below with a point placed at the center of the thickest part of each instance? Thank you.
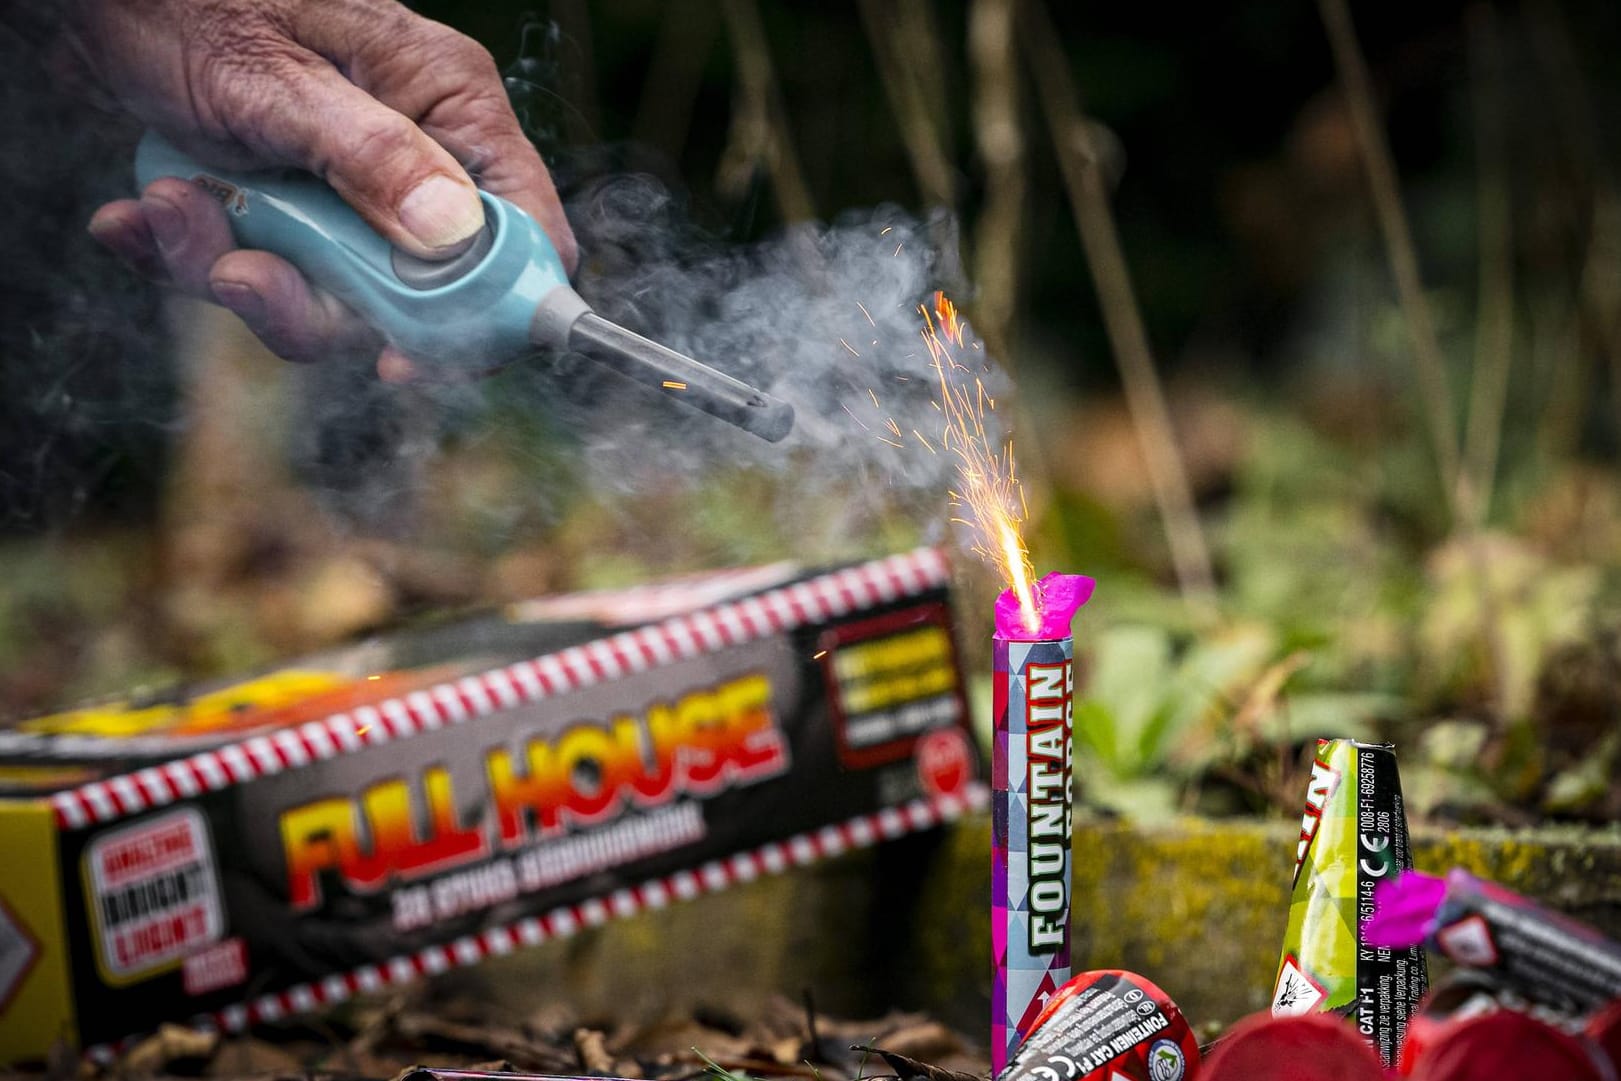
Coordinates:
(1404, 910)
(1058, 597)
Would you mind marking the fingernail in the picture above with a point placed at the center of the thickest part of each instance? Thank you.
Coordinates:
(115, 236)
(242, 299)
(105, 231)
(167, 222)
(394, 367)
(441, 213)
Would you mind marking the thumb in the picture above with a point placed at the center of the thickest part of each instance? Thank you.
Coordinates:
(404, 184)
(481, 126)
(450, 85)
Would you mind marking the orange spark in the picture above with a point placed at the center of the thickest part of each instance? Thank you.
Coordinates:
(990, 497)
(674, 384)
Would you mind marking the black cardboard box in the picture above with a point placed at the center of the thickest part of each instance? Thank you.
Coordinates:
(287, 842)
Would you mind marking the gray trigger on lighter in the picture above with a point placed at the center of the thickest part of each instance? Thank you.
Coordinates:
(425, 274)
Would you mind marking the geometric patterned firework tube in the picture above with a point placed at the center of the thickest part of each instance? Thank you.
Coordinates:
(1353, 836)
(1032, 809)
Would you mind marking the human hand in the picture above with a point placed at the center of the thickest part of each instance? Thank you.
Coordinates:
(393, 110)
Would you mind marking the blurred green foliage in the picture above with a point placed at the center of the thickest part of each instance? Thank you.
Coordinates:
(1339, 618)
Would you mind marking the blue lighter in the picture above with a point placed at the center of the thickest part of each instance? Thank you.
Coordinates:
(499, 299)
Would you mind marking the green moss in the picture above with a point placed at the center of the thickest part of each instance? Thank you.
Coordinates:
(1197, 906)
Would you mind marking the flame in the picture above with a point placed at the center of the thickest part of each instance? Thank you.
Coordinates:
(989, 498)
(1017, 562)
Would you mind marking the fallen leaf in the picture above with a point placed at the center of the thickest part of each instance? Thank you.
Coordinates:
(909, 1068)
(173, 1049)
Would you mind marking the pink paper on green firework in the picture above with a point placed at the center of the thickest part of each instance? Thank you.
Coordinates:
(1544, 955)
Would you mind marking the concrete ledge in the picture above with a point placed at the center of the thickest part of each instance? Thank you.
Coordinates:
(1197, 906)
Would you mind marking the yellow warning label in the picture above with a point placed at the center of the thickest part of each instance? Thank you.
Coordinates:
(35, 1004)
(206, 712)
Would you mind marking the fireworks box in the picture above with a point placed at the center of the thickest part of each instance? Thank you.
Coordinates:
(389, 812)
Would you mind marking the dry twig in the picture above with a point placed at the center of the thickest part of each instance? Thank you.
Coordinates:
(760, 126)
(1494, 330)
(1457, 484)
(993, 59)
(1399, 247)
(1599, 293)
(674, 76)
(900, 72)
(910, 1069)
(574, 20)
(1089, 202)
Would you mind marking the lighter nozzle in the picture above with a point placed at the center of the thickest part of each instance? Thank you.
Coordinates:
(681, 377)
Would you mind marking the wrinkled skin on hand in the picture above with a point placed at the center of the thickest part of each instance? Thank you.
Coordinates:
(398, 113)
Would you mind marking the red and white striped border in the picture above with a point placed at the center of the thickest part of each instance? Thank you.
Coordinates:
(711, 877)
(814, 600)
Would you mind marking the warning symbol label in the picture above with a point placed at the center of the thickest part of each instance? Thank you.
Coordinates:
(154, 895)
(1296, 992)
(18, 951)
(1469, 942)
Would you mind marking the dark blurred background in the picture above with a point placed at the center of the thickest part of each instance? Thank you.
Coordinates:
(1284, 547)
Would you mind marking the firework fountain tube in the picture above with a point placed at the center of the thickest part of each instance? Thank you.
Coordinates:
(1548, 957)
(1107, 1025)
(1353, 836)
(1032, 806)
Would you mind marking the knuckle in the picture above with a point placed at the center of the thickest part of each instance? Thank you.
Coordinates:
(457, 52)
(376, 143)
(288, 336)
(279, 345)
(222, 40)
(463, 73)
(241, 70)
(488, 122)
(481, 129)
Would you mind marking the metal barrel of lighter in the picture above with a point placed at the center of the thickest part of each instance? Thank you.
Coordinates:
(698, 385)
(1032, 812)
